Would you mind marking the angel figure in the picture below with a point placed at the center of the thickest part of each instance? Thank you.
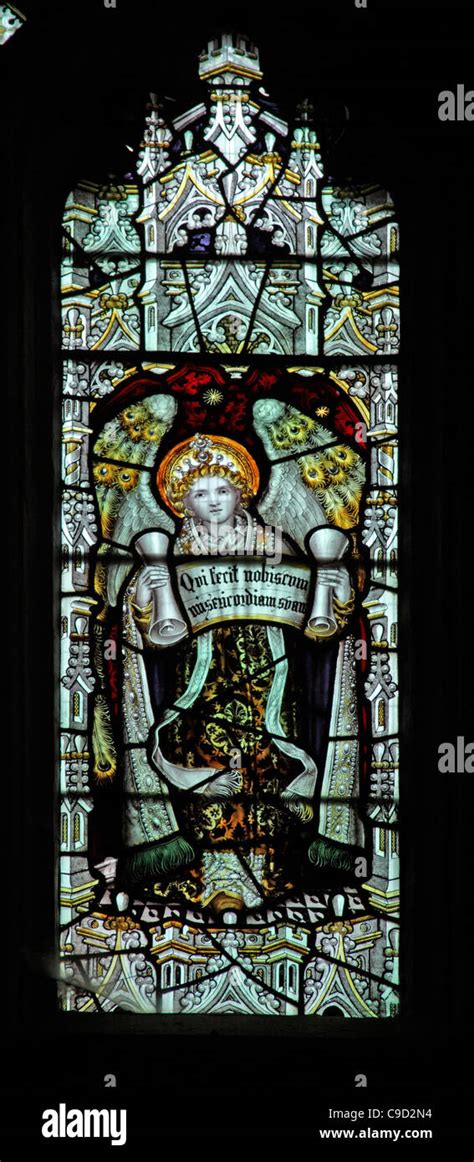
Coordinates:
(240, 755)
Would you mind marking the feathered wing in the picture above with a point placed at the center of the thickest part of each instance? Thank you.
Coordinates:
(321, 483)
(125, 448)
(138, 511)
(289, 505)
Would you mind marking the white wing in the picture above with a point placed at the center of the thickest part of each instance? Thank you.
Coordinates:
(130, 441)
(139, 511)
(289, 504)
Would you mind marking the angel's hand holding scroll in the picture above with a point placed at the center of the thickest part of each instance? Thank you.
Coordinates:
(327, 546)
(338, 580)
(150, 578)
(167, 624)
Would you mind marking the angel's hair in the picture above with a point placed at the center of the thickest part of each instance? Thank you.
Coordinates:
(181, 488)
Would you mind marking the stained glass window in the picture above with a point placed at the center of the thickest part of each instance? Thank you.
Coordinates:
(229, 745)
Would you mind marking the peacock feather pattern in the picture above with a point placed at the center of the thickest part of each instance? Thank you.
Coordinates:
(315, 479)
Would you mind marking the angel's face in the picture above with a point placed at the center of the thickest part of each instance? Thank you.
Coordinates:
(213, 498)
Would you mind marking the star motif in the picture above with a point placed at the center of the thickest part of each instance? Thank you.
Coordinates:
(212, 396)
(322, 411)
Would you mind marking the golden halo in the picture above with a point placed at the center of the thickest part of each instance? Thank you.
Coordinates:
(216, 454)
